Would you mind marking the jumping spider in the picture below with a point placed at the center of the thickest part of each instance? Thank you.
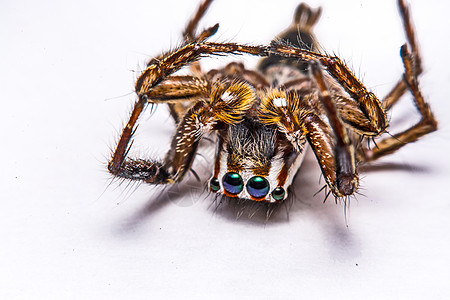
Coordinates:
(263, 118)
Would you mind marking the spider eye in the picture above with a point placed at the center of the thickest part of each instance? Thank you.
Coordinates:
(214, 184)
(257, 186)
(278, 193)
(233, 183)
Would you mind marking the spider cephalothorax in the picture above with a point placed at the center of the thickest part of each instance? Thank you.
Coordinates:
(264, 118)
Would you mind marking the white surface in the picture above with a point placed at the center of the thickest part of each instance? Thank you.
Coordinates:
(67, 234)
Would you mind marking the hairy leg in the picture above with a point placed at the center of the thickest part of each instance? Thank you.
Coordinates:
(150, 79)
(426, 124)
(413, 67)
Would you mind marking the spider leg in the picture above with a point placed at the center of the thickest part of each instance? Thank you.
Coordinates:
(320, 138)
(195, 67)
(305, 18)
(426, 125)
(375, 121)
(179, 92)
(310, 127)
(330, 143)
(299, 34)
(227, 105)
(368, 103)
(160, 69)
(413, 68)
(400, 88)
(191, 27)
(189, 35)
(344, 152)
(177, 89)
(156, 73)
(363, 111)
(178, 108)
(238, 70)
(176, 163)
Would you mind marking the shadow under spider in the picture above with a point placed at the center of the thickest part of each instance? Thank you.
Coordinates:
(393, 166)
(342, 243)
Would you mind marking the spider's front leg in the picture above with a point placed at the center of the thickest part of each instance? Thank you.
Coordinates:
(330, 142)
(213, 107)
(179, 158)
(344, 152)
(226, 104)
(155, 74)
(370, 118)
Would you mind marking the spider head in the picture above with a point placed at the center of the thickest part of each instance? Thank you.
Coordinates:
(255, 162)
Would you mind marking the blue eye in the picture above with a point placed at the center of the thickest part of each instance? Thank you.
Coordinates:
(233, 183)
(258, 186)
(278, 193)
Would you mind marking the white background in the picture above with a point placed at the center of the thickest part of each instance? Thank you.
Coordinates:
(67, 232)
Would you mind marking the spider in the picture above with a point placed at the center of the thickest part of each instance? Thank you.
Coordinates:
(264, 118)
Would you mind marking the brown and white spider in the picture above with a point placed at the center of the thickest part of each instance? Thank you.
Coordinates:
(263, 118)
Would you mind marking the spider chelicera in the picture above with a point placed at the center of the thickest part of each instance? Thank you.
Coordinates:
(264, 118)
